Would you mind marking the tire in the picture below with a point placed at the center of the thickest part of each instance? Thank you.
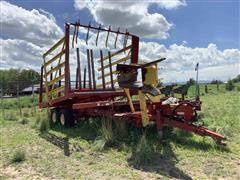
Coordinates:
(66, 118)
(55, 116)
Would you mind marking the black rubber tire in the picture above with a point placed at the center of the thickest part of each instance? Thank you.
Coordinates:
(66, 117)
(55, 116)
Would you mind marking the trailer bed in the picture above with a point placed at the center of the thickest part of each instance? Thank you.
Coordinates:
(81, 96)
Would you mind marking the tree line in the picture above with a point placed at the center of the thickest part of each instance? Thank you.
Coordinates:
(12, 80)
(230, 83)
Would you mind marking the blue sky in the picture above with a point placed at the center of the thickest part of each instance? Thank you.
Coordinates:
(199, 23)
(183, 31)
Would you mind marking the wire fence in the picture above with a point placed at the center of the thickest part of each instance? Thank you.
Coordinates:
(19, 96)
(16, 95)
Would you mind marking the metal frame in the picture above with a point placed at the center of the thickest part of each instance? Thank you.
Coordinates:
(96, 100)
(46, 94)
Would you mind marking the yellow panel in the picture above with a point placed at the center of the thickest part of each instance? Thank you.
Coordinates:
(54, 46)
(54, 58)
(151, 76)
(56, 68)
(57, 79)
(57, 90)
(46, 81)
(144, 110)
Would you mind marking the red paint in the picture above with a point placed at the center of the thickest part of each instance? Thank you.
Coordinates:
(86, 102)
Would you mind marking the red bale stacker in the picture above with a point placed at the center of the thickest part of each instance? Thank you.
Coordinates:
(79, 80)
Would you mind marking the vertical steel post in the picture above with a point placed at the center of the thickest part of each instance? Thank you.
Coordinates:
(79, 69)
(51, 85)
(84, 77)
(89, 69)
(67, 70)
(51, 75)
(102, 68)
(76, 85)
(59, 82)
(197, 89)
(134, 49)
(110, 68)
(93, 71)
(41, 86)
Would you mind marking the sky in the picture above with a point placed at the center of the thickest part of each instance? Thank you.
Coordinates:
(185, 32)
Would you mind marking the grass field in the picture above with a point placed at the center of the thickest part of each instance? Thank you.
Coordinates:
(28, 153)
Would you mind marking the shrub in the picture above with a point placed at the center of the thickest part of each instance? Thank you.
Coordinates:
(238, 88)
(25, 114)
(48, 119)
(38, 120)
(10, 117)
(18, 156)
(216, 82)
(191, 81)
(106, 129)
(44, 125)
(120, 129)
(236, 79)
(106, 135)
(229, 85)
(144, 152)
(24, 121)
(99, 144)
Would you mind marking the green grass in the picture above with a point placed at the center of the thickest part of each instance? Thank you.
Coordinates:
(128, 154)
(25, 102)
(18, 156)
(212, 89)
(44, 125)
(24, 121)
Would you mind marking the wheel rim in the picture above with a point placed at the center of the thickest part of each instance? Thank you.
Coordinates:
(62, 120)
(54, 117)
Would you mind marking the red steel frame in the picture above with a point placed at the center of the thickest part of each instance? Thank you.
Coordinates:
(68, 93)
(87, 102)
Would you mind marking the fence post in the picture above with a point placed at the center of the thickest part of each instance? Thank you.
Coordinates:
(206, 89)
(2, 106)
(19, 101)
(33, 100)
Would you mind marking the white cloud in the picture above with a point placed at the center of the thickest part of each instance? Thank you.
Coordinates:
(34, 28)
(26, 34)
(171, 4)
(20, 54)
(181, 61)
(38, 27)
(179, 65)
(220, 72)
(132, 15)
(49, 15)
